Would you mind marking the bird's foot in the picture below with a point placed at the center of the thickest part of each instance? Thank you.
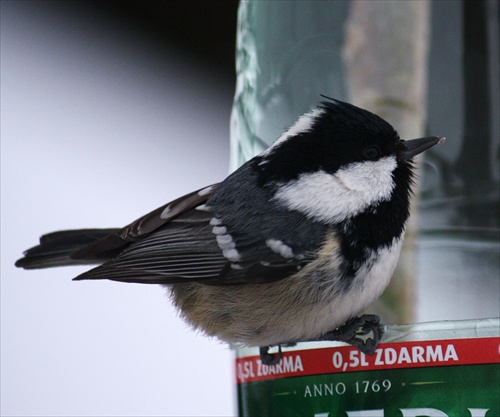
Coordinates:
(356, 332)
(270, 358)
(362, 332)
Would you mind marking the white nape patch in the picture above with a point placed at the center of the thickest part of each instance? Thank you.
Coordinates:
(335, 197)
(277, 246)
(205, 191)
(303, 124)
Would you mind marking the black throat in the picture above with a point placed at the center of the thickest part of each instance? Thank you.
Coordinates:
(378, 226)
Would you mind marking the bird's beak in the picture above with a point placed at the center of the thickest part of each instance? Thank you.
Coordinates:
(407, 149)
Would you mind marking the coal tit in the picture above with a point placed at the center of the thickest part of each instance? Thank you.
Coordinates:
(288, 248)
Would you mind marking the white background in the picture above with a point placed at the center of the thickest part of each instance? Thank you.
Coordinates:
(95, 131)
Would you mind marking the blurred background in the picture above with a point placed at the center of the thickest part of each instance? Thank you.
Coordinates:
(111, 109)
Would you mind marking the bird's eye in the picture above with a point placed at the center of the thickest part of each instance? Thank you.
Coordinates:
(371, 152)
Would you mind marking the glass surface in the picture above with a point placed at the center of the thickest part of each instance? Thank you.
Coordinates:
(428, 68)
(288, 53)
(459, 225)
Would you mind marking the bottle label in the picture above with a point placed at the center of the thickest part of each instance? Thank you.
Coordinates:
(442, 378)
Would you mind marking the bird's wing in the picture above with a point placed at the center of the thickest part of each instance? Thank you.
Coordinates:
(145, 225)
(186, 249)
(183, 249)
(192, 241)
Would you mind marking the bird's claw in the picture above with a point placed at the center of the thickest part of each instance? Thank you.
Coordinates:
(364, 333)
(355, 330)
(270, 358)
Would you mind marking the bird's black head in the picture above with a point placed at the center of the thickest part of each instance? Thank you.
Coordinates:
(338, 152)
(330, 137)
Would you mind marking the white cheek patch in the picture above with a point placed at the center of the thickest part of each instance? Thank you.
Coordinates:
(302, 125)
(370, 176)
(348, 192)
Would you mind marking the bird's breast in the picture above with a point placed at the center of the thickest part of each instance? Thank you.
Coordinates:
(303, 306)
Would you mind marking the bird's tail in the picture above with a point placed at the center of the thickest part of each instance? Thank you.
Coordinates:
(57, 248)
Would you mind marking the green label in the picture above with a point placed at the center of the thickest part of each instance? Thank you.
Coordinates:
(453, 391)
(438, 378)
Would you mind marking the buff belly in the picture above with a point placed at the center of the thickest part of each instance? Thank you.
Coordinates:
(301, 307)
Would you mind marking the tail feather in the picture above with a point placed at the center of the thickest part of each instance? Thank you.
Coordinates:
(57, 248)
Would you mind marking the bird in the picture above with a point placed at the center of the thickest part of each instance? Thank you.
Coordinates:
(290, 247)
